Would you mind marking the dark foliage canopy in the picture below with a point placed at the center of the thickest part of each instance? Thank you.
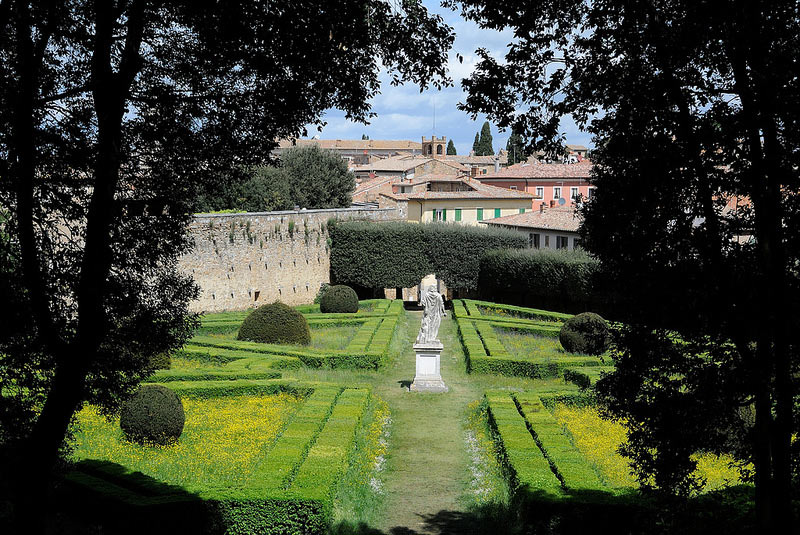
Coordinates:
(483, 144)
(693, 108)
(451, 148)
(153, 415)
(586, 332)
(112, 116)
(275, 323)
(399, 255)
(308, 177)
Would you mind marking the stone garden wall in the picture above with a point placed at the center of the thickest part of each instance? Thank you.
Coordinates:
(241, 261)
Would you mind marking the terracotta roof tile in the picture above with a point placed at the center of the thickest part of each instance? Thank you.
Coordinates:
(543, 170)
(566, 219)
(353, 144)
(477, 191)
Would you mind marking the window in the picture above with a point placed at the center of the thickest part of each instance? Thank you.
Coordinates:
(533, 240)
(590, 193)
(522, 210)
(562, 242)
(458, 214)
(497, 212)
(573, 194)
(539, 192)
(480, 214)
(556, 192)
(439, 214)
(547, 240)
(438, 149)
(512, 187)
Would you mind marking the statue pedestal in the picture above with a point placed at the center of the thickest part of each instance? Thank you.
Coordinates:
(428, 377)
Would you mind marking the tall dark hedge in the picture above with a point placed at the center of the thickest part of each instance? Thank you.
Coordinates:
(399, 254)
(544, 278)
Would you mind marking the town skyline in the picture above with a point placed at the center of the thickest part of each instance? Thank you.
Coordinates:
(405, 113)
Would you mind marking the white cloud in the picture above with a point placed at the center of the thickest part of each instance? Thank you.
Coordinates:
(405, 113)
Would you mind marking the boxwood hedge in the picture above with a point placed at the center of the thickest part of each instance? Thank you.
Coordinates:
(399, 254)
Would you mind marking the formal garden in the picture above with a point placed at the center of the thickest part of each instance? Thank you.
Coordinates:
(323, 435)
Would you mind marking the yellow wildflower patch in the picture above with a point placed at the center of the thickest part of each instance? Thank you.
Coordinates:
(599, 439)
(221, 442)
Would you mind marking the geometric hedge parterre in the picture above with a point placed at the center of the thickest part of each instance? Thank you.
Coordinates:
(291, 489)
(481, 325)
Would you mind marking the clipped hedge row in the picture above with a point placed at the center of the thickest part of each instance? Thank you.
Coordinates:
(237, 387)
(568, 463)
(290, 491)
(524, 462)
(203, 375)
(364, 335)
(539, 329)
(310, 358)
(494, 347)
(547, 278)
(586, 377)
(518, 312)
(232, 358)
(325, 462)
(553, 367)
(396, 254)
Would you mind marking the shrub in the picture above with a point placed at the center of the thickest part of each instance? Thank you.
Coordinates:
(339, 298)
(399, 255)
(585, 333)
(154, 415)
(551, 279)
(161, 361)
(276, 323)
(322, 289)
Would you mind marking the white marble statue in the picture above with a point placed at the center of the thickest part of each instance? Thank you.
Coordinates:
(431, 316)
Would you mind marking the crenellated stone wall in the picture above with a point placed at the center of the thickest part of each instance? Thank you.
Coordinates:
(241, 261)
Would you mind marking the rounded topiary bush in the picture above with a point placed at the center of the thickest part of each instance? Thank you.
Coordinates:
(154, 415)
(585, 333)
(276, 323)
(339, 298)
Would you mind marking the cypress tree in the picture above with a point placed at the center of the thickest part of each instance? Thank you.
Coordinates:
(451, 148)
(485, 143)
(476, 145)
(515, 149)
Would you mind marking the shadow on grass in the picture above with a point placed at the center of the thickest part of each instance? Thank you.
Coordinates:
(728, 511)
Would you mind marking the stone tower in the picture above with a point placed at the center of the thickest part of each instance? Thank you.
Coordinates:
(434, 147)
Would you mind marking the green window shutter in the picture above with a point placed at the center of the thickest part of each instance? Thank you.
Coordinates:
(497, 212)
(522, 210)
(480, 214)
(458, 214)
(444, 214)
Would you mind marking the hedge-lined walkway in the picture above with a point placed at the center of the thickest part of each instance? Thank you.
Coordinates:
(428, 464)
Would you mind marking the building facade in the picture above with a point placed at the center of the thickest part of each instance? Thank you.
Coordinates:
(545, 228)
(547, 182)
(454, 199)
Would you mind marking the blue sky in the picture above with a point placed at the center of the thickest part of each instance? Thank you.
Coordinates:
(405, 113)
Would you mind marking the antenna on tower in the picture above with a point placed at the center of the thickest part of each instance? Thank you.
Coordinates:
(434, 115)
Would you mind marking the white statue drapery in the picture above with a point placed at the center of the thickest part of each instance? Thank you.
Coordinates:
(432, 315)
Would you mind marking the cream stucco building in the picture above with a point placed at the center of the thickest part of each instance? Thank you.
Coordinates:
(457, 199)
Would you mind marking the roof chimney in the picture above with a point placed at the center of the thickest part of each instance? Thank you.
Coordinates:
(496, 164)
